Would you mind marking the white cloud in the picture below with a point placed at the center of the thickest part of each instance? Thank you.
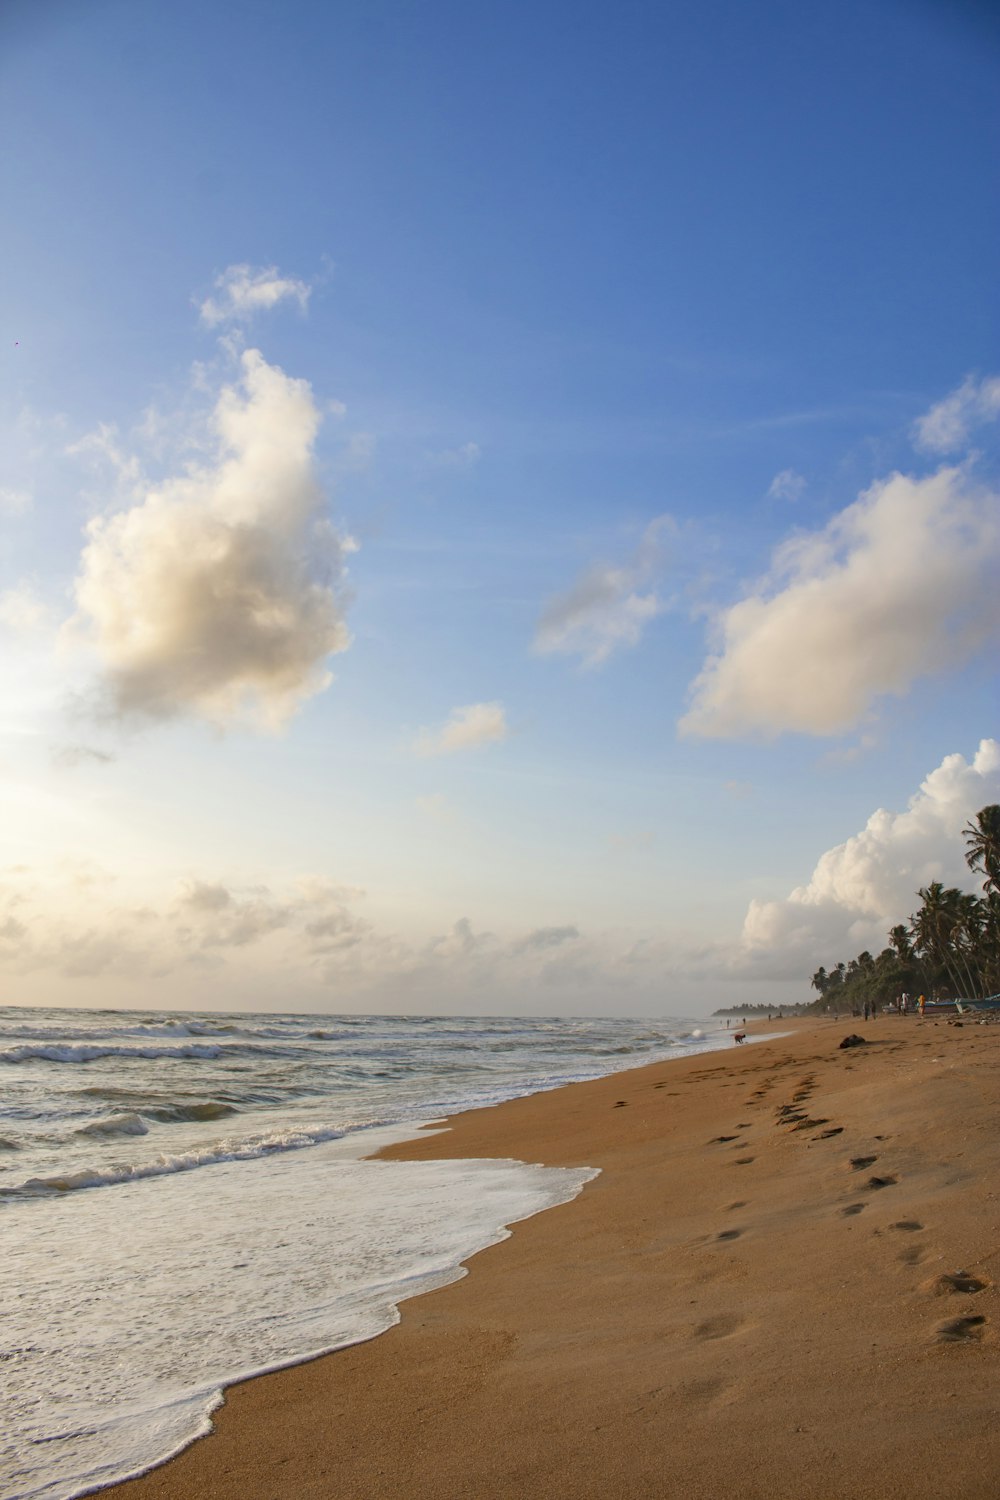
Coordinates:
(788, 485)
(466, 728)
(245, 290)
(604, 611)
(866, 885)
(946, 428)
(901, 584)
(218, 593)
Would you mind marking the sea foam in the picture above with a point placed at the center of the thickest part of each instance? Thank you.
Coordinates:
(196, 1289)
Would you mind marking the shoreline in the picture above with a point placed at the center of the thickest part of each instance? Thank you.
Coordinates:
(732, 1307)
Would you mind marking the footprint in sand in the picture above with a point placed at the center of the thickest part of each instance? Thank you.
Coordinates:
(826, 1135)
(874, 1183)
(743, 1161)
(719, 1327)
(729, 1234)
(910, 1226)
(719, 1139)
(857, 1162)
(740, 1203)
(619, 1104)
(852, 1209)
(808, 1124)
(956, 1329)
(913, 1255)
(940, 1286)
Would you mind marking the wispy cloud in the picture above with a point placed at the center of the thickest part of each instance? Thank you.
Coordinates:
(604, 611)
(242, 291)
(947, 427)
(468, 728)
(788, 485)
(899, 585)
(219, 593)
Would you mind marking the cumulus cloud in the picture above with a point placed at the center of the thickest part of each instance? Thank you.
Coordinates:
(219, 593)
(947, 427)
(604, 610)
(244, 290)
(788, 485)
(467, 728)
(901, 584)
(866, 885)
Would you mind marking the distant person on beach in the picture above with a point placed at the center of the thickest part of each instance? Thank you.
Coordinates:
(865, 1009)
(739, 1036)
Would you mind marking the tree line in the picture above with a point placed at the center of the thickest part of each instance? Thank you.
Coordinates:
(950, 947)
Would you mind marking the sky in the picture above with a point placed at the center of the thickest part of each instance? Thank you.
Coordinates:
(499, 505)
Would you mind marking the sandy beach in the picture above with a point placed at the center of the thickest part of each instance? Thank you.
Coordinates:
(780, 1287)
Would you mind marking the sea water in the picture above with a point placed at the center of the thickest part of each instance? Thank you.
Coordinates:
(184, 1201)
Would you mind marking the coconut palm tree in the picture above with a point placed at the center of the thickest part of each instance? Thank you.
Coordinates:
(899, 937)
(934, 927)
(982, 839)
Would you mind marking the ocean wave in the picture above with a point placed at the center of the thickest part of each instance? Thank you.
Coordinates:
(6, 1144)
(73, 1053)
(168, 1114)
(163, 1166)
(124, 1124)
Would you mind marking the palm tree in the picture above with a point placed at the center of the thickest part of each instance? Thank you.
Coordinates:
(948, 930)
(982, 840)
(899, 937)
(933, 928)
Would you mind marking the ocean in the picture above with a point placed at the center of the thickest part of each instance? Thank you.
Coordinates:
(184, 1201)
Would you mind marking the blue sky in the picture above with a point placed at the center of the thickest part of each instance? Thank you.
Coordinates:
(620, 435)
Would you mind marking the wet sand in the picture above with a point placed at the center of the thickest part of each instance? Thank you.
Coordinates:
(781, 1287)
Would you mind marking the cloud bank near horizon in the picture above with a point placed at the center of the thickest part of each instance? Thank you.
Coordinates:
(864, 886)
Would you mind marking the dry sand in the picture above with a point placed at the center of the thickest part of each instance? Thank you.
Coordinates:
(780, 1288)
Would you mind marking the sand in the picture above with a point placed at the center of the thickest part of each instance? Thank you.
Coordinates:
(779, 1288)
